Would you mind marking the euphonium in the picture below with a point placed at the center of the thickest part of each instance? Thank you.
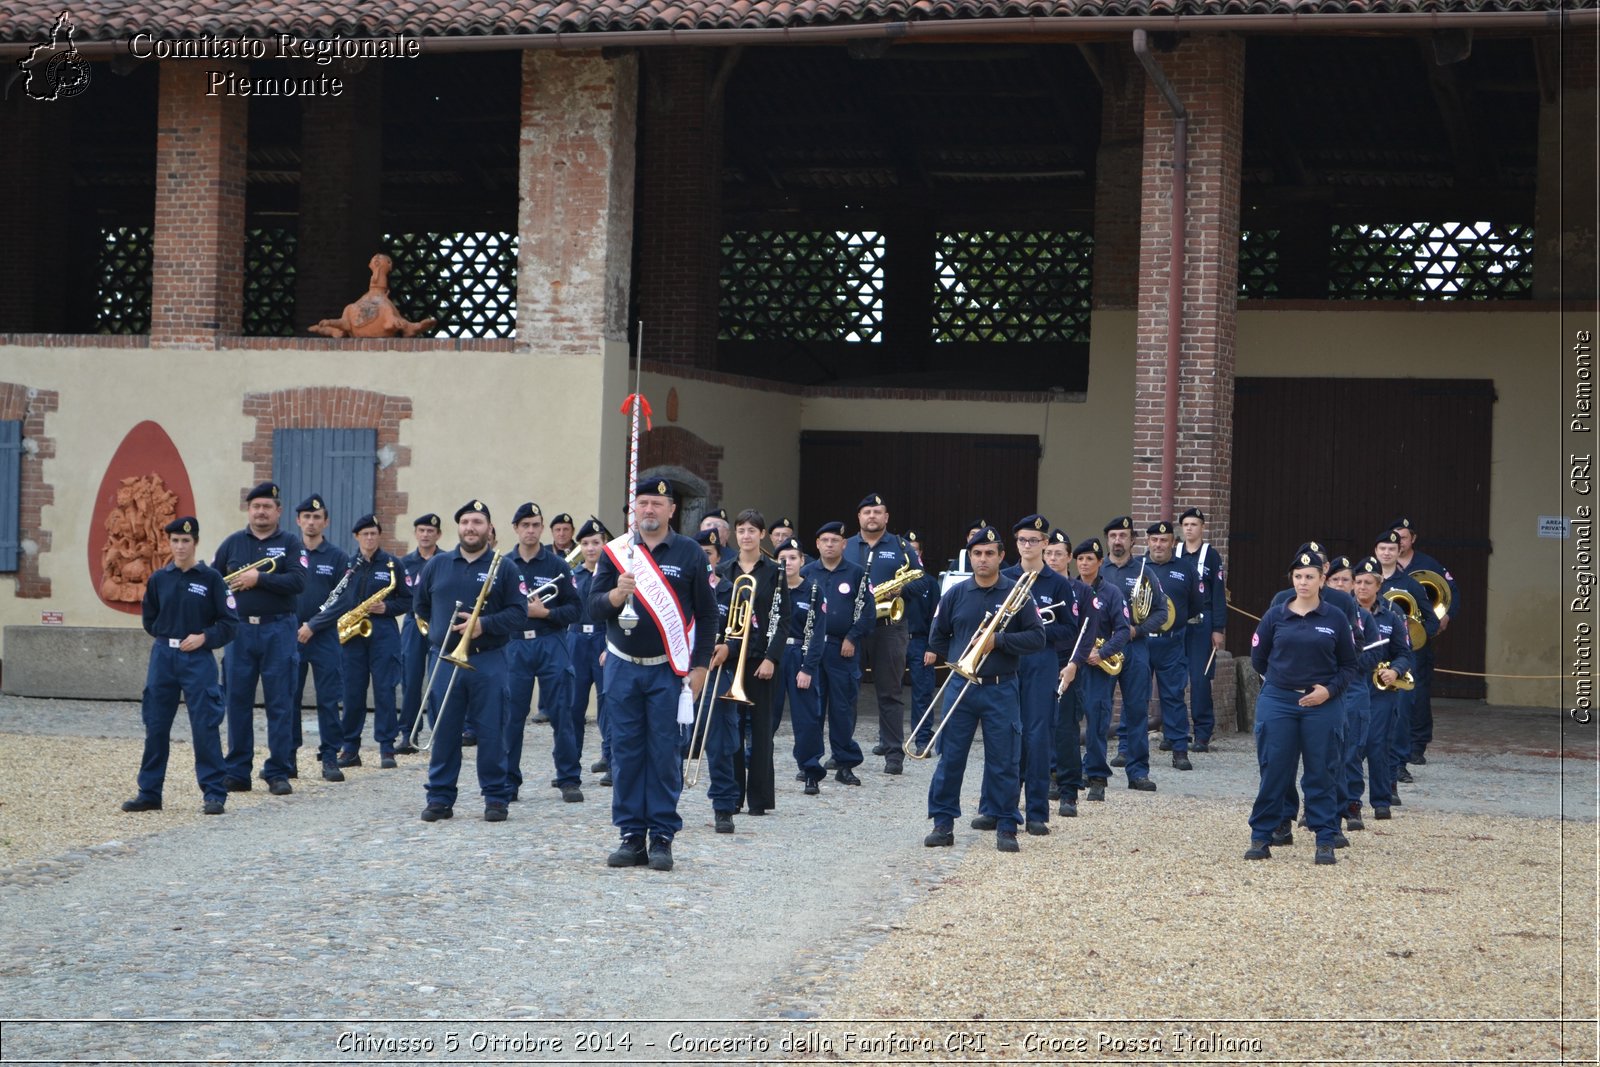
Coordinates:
(1112, 665)
(1438, 589)
(887, 597)
(355, 622)
(1413, 613)
(1405, 681)
(266, 566)
(741, 602)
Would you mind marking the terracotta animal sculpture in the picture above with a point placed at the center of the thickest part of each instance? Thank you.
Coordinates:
(374, 315)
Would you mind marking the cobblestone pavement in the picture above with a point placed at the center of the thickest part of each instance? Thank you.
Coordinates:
(338, 904)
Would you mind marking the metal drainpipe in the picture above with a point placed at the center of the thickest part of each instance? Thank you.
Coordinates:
(1175, 267)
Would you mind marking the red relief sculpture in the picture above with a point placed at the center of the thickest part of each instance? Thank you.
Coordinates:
(374, 315)
(145, 486)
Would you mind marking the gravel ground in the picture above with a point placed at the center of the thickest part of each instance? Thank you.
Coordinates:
(1132, 923)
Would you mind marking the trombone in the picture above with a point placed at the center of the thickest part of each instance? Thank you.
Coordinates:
(970, 662)
(700, 732)
(266, 566)
(427, 696)
(741, 602)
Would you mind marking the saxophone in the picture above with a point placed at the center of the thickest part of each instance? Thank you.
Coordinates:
(890, 604)
(355, 623)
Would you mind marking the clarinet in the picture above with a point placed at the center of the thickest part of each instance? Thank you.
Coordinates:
(776, 609)
(811, 615)
(861, 593)
(334, 596)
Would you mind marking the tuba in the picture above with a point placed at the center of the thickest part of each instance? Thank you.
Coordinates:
(1438, 589)
(887, 597)
(1412, 611)
(355, 622)
(741, 603)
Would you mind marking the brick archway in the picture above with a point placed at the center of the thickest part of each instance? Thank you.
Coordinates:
(674, 446)
(337, 407)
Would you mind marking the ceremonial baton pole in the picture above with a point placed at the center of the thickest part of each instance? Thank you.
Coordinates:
(628, 618)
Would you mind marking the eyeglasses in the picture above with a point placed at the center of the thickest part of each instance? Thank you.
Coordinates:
(1030, 540)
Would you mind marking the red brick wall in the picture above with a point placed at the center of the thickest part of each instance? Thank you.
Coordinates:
(673, 446)
(31, 406)
(198, 289)
(1208, 74)
(1116, 180)
(680, 206)
(336, 407)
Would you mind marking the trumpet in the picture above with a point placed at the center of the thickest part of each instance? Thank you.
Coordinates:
(1404, 681)
(546, 592)
(265, 566)
(741, 604)
(970, 662)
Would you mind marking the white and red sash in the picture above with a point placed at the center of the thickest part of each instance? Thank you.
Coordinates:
(660, 603)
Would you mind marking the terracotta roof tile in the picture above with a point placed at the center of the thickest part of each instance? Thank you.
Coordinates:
(102, 20)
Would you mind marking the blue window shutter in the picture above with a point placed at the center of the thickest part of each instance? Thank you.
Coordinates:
(10, 494)
(341, 464)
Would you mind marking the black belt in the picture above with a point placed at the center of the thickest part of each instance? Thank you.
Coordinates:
(994, 680)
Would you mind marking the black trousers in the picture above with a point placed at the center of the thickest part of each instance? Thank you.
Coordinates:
(752, 759)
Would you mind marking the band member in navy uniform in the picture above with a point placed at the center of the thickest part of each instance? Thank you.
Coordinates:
(264, 650)
(1421, 697)
(414, 661)
(881, 554)
(1207, 627)
(189, 611)
(539, 652)
(1352, 737)
(653, 664)
(847, 614)
(1387, 553)
(1122, 569)
(374, 657)
(586, 643)
(1168, 661)
(921, 598)
(1082, 614)
(717, 519)
(1389, 642)
(1107, 620)
(991, 699)
(1058, 554)
(324, 565)
(1038, 672)
(476, 696)
(1306, 654)
(802, 665)
(562, 535)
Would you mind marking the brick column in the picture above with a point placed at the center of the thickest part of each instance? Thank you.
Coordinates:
(1208, 74)
(680, 206)
(198, 276)
(341, 194)
(1116, 180)
(1564, 226)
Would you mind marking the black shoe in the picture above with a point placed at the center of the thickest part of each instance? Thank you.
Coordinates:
(236, 785)
(724, 822)
(660, 855)
(1119, 760)
(1325, 855)
(1394, 799)
(845, 776)
(1055, 791)
(436, 812)
(141, 804)
(331, 771)
(1096, 793)
(1039, 829)
(280, 787)
(1258, 850)
(984, 822)
(212, 807)
(572, 794)
(893, 766)
(943, 836)
(599, 766)
(352, 760)
(630, 853)
(605, 779)
(1420, 760)
(1380, 813)
(1284, 834)
(1180, 760)
(388, 762)
(1404, 776)
(1165, 745)
(1006, 841)
(799, 776)
(1340, 841)
(1353, 822)
(831, 765)
(1143, 785)
(469, 740)
(1068, 809)
(493, 812)
(540, 720)
(1200, 746)
(880, 749)
(406, 750)
(811, 787)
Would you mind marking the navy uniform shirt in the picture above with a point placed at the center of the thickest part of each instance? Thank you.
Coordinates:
(448, 578)
(1127, 578)
(890, 554)
(1052, 591)
(687, 572)
(411, 565)
(1210, 584)
(546, 566)
(324, 566)
(275, 593)
(1106, 616)
(839, 591)
(581, 578)
(1179, 582)
(1340, 600)
(804, 633)
(1390, 640)
(1421, 561)
(367, 578)
(1299, 651)
(921, 598)
(961, 612)
(196, 601)
(768, 614)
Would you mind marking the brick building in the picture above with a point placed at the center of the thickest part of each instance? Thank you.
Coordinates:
(928, 250)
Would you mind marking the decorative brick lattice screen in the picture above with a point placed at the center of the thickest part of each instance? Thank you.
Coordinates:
(1431, 261)
(792, 286)
(468, 281)
(1258, 264)
(269, 283)
(1012, 286)
(122, 296)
